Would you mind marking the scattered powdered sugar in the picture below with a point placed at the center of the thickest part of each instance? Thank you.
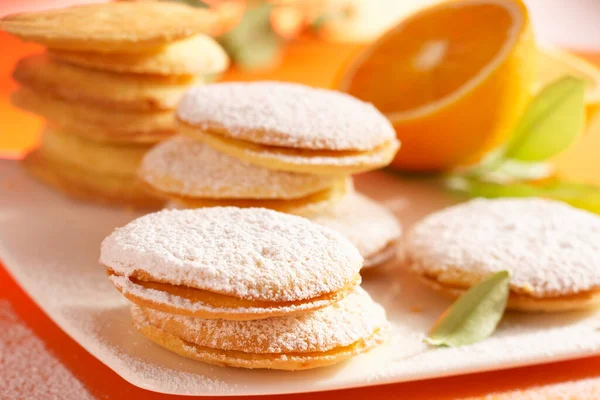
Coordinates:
(287, 114)
(550, 248)
(59, 276)
(355, 317)
(27, 369)
(581, 389)
(188, 167)
(368, 225)
(250, 253)
(174, 380)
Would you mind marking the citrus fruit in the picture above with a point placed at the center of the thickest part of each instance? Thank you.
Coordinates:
(555, 63)
(452, 78)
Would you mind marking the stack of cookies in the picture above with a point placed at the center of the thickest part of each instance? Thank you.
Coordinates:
(244, 287)
(107, 85)
(281, 146)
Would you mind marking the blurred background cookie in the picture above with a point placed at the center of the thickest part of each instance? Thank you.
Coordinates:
(90, 171)
(369, 226)
(115, 27)
(100, 124)
(135, 92)
(112, 74)
(177, 58)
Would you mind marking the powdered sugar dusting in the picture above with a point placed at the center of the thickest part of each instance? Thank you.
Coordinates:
(67, 283)
(571, 390)
(250, 253)
(27, 369)
(369, 226)
(550, 248)
(287, 114)
(353, 318)
(190, 168)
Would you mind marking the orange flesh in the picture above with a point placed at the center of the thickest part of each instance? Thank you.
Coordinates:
(431, 65)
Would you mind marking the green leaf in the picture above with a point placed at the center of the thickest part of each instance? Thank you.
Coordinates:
(477, 188)
(550, 123)
(582, 196)
(253, 43)
(475, 315)
(325, 18)
(193, 3)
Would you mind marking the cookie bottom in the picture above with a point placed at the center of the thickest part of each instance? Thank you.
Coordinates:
(319, 162)
(147, 292)
(524, 303)
(239, 359)
(87, 186)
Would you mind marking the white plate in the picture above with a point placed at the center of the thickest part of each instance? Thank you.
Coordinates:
(50, 245)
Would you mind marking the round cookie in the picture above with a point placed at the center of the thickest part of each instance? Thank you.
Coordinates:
(551, 250)
(324, 337)
(230, 263)
(114, 27)
(95, 123)
(96, 157)
(192, 175)
(102, 89)
(369, 226)
(197, 55)
(90, 171)
(289, 127)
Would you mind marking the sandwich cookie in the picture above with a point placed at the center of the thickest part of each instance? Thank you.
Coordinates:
(552, 251)
(289, 127)
(230, 263)
(102, 89)
(115, 27)
(197, 55)
(90, 171)
(96, 123)
(292, 342)
(369, 226)
(192, 174)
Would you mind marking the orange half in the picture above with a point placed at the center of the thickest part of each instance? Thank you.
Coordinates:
(452, 79)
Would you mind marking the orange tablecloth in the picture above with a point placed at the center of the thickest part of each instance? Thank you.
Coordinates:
(579, 379)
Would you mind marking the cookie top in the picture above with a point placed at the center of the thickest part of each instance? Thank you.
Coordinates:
(114, 27)
(368, 225)
(286, 115)
(549, 248)
(354, 318)
(196, 55)
(189, 168)
(251, 253)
